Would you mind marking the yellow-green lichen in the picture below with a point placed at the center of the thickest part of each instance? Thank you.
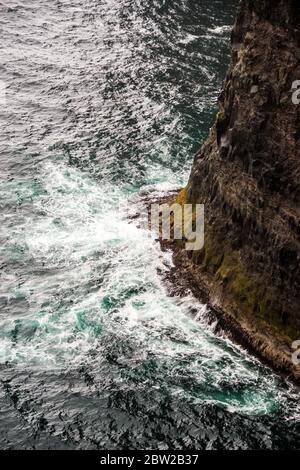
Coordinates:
(221, 116)
(181, 197)
(248, 291)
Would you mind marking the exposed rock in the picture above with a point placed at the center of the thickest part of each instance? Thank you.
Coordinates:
(248, 176)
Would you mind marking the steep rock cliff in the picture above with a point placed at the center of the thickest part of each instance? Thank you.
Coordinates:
(248, 176)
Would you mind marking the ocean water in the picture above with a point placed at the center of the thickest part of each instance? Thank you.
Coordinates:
(101, 101)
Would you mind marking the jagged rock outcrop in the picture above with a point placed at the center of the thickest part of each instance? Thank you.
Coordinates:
(248, 176)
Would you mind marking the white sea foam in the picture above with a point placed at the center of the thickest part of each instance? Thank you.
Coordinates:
(219, 30)
(83, 234)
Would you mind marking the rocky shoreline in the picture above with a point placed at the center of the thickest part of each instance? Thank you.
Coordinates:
(247, 174)
(264, 343)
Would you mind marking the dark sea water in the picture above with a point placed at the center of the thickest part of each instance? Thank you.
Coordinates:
(106, 99)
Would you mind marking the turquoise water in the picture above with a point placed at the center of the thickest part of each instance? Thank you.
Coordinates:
(104, 101)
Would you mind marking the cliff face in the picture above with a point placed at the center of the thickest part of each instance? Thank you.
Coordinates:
(248, 176)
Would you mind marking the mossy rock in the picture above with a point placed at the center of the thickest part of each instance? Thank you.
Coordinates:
(221, 117)
(182, 197)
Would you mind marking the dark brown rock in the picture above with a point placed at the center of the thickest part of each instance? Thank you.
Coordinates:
(248, 176)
